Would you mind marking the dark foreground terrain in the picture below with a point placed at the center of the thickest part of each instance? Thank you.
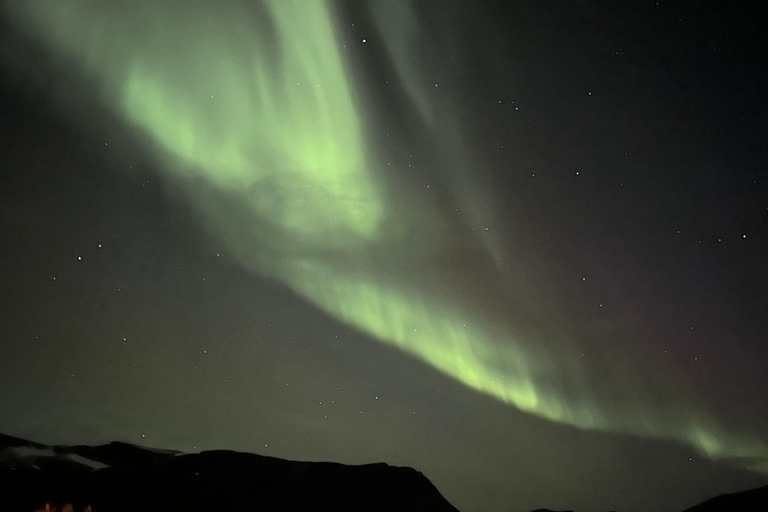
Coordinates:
(121, 477)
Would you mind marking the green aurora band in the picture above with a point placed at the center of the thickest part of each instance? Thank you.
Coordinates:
(249, 108)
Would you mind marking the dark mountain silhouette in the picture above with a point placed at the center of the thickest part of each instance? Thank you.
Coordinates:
(120, 477)
(754, 500)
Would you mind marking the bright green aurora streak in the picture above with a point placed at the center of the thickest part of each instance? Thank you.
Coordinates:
(250, 109)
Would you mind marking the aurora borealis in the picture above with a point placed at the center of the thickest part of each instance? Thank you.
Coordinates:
(279, 129)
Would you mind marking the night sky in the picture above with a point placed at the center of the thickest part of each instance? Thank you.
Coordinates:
(519, 246)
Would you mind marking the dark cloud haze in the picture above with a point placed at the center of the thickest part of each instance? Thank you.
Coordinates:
(517, 247)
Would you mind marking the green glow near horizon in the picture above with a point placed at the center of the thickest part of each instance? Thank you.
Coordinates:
(257, 103)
